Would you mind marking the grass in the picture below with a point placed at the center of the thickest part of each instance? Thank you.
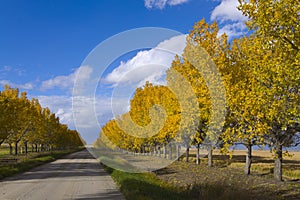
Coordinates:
(146, 186)
(30, 161)
(224, 181)
(263, 163)
(4, 152)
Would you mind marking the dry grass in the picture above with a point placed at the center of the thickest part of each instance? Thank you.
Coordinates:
(226, 179)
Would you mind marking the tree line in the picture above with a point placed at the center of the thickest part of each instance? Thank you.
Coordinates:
(261, 77)
(25, 123)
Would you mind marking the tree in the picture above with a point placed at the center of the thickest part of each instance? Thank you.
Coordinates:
(156, 110)
(276, 25)
(203, 63)
(275, 19)
(4, 117)
(24, 121)
(245, 99)
(20, 113)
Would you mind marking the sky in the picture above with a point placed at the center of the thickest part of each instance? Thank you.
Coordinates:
(45, 47)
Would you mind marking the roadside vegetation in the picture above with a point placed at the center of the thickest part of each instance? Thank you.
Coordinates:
(25, 162)
(224, 181)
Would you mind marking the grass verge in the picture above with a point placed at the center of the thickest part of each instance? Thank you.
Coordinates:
(146, 186)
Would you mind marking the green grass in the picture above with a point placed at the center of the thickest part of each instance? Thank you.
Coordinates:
(4, 151)
(28, 163)
(146, 186)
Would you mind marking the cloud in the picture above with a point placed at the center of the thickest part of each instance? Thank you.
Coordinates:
(161, 4)
(26, 86)
(230, 19)
(9, 69)
(147, 65)
(63, 82)
(61, 106)
(67, 82)
(226, 11)
(88, 112)
(233, 30)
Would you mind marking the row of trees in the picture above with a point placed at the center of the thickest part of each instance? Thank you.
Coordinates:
(259, 72)
(24, 122)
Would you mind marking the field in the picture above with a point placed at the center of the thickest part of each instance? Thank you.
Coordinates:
(225, 180)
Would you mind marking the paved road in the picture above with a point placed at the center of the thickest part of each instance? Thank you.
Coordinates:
(76, 176)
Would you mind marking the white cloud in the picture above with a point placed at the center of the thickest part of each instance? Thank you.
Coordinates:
(26, 86)
(67, 82)
(230, 19)
(86, 112)
(161, 4)
(6, 69)
(233, 30)
(62, 82)
(227, 10)
(9, 69)
(61, 106)
(148, 65)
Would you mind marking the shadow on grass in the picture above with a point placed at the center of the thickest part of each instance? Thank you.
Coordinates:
(134, 189)
(148, 186)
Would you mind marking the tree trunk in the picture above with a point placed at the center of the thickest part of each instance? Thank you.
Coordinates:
(278, 163)
(16, 148)
(210, 156)
(26, 148)
(10, 149)
(177, 151)
(170, 151)
(165, 151)
(187, 154)
(36, 148)
(248, 163)
(198, 154)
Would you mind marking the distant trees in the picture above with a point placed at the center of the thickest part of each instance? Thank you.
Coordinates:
(136, 131)
(24, 121)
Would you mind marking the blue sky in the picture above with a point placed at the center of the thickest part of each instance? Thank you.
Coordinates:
(43, 43)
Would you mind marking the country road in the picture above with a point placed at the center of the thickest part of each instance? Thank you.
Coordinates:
(76, 176)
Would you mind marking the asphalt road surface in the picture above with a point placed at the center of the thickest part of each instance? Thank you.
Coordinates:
(76, 176)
